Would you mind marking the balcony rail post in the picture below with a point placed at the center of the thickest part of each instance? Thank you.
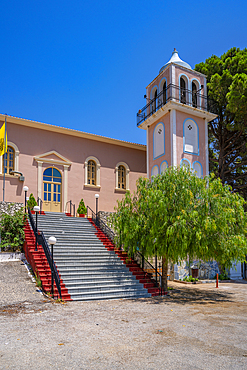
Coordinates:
(175, 93)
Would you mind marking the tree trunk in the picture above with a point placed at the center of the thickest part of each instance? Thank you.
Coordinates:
(164, 274)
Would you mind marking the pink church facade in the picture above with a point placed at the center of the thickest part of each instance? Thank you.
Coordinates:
(60, 165)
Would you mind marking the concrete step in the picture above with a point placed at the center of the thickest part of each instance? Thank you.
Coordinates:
(86, 262)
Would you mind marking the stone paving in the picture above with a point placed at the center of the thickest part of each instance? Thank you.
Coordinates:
(197, 327)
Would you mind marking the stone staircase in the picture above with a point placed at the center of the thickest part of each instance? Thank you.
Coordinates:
(87, 263)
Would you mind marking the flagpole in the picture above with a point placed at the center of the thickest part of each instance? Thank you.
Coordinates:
(4, 158)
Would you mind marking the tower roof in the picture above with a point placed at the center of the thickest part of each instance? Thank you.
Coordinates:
(175, 59)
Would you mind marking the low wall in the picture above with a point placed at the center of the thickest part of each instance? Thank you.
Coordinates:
(10, 208)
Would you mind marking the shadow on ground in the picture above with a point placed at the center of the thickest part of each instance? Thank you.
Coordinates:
(188, 296)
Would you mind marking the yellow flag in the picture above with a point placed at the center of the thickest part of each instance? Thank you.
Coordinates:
(3, 140)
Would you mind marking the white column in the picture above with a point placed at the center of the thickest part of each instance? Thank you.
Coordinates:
(173, 137)
(206, 147)
(65, 185)
(40, 179)
(173, 91)
(17, 160)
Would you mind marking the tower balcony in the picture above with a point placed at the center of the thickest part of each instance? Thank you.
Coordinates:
(178, 95)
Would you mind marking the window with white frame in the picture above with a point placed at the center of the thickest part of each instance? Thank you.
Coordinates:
(92, 172)
(191, 137)
(122, 176)
(197, 169)
(159, 140)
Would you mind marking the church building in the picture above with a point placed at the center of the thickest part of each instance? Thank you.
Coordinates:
(60, 165)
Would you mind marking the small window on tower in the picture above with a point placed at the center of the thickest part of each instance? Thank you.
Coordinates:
(194, 95)
(191, 137)
(159, 140)
(182, 90)
(164, 93)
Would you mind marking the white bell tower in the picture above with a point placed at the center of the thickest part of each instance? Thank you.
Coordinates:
(176, 119)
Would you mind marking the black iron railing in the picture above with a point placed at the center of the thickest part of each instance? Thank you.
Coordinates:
(40, 203)
(176, 93)
(42, 241)
(147, 267)
(101, 224)
(70, 208)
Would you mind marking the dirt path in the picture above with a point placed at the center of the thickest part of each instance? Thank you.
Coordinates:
(197, 327)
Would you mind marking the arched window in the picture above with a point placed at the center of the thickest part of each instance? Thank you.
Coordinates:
(121, 177)
(194, 94)
(155, 100)
(155, 171)
(164, 93)
(182, 90)
(185, 163)
(163, 166)
(91, 173)
(197, 167)
(9, 160)
(159, 140)
(191, 137)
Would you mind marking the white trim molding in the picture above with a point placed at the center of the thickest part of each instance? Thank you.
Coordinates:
(58, 160)
(127, 175)
(173, 137)
(97, 185)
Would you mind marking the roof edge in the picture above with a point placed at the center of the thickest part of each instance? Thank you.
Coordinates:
(70, 131)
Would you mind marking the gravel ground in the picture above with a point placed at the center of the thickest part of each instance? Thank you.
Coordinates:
(197, 327)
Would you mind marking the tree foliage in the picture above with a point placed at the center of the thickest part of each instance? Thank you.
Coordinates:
(12, 231)
(31, 203)
(178, 216)
(227, 86)
(82, 209)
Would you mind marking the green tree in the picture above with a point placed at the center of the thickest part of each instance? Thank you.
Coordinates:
(179, 216)
(227, 86)
(12, 231)
(82, 209)
(31, 202)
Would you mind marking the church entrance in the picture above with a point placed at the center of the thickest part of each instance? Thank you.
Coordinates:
(52, 185)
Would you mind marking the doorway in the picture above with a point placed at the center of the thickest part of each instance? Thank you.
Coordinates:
(52, 186)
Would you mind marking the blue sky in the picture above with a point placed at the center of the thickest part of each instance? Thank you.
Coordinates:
(85, 64)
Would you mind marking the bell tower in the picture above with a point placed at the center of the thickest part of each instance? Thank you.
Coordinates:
(176, 119)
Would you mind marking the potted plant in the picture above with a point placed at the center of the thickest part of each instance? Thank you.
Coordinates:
(31, 203)
(82, 209)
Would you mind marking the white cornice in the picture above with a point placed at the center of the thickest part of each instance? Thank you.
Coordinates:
(179, 107)
(177, 65)
(71, 132)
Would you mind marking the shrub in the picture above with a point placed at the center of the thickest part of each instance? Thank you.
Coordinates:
(12, 231)
(190, 279)
(82, 209)
(31, 202)
(223, 276)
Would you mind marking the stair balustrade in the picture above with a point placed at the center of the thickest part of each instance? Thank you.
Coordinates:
(42, 241)
(151, 271)
(71, 208)
(40, 204)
